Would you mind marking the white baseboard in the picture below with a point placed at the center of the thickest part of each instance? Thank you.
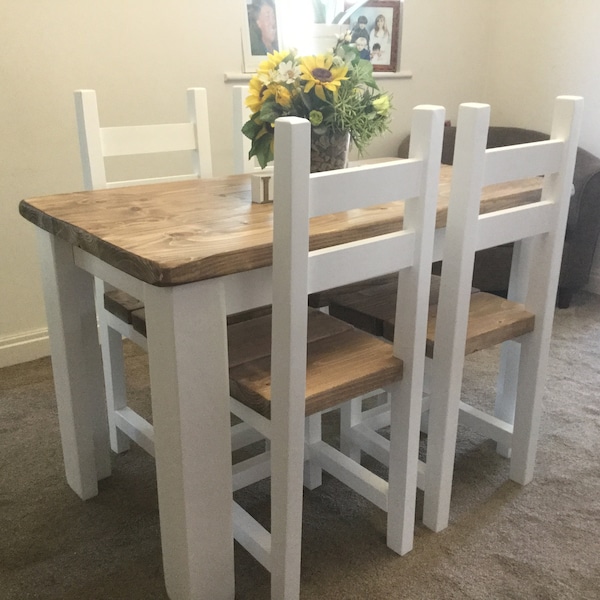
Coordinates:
(15, 349)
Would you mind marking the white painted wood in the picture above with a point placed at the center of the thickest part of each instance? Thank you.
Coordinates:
(288, 357)
(296, 271)
(96, 143)
(113, 364)
(537, 230)
(23, 347)
(252, 535)
(313, 474)
(368, 440)
(396, 180)
(485, 424)
(360, 260)
(251, 470)
(522, 161)
(190, 410)
(147, 139)
(244, 435)
(544, 250)
(253, 419)
(107, 273)
(248, 289)
(514, 224)
(76, 365)
(350, 417)
(135, 428)
(349, 472)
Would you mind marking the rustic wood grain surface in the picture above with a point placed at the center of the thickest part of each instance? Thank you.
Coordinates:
(175, 233)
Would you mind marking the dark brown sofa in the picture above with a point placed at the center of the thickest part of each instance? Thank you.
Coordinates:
(492, 266)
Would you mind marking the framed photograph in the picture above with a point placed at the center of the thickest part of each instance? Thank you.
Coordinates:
(376, 29)
(260, 33)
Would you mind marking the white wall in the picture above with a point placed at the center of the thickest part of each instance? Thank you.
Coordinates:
(541, 49)
(141, 56)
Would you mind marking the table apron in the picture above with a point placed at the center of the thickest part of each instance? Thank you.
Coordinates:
(102, 270)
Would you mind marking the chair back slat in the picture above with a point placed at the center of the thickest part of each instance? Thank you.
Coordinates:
(147, 139)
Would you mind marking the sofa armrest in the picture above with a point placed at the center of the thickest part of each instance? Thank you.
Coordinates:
(584, 209)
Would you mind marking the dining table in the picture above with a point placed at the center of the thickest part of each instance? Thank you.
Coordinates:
(193, 251)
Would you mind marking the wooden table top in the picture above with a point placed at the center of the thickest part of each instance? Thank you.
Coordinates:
(174, 233)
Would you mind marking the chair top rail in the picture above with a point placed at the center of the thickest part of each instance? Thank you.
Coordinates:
(147, 139)
(522, 161)
(364, 186)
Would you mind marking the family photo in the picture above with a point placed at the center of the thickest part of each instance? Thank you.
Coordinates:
(375, 29)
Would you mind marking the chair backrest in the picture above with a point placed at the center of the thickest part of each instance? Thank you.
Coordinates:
(97, 143)
(298, 271)
(537, 228)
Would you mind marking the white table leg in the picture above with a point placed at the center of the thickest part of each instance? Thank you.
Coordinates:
(190, 405)
(77, 366)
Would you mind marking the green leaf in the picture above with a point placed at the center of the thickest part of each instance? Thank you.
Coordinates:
(251, 128)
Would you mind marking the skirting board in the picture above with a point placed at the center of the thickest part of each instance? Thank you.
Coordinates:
(24, 347)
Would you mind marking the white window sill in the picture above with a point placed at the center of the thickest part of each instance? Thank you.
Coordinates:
(242, 77)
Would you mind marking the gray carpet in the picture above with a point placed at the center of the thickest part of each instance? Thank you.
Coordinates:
(504, 541)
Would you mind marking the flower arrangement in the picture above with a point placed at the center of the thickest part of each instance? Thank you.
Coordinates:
(335, 91)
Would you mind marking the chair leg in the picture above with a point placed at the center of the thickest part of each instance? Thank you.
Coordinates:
(287, 464)
(405, 418)
(113, 361)
(113, 364)
(441, 449)
(528, 408)
(506, 393)
(313, 474)
(350, 416)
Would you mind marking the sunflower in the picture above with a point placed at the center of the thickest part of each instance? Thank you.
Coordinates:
(272, 61)
(320, 74)
(257, 94)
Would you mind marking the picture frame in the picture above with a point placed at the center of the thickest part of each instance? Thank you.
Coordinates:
(380, 20)
(260, 32)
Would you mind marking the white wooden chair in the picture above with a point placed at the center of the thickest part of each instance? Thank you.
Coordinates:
(241, 144)
(120, 315)
(318, 362)
(462, 322)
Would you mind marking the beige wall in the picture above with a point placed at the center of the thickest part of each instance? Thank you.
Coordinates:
(140, 57)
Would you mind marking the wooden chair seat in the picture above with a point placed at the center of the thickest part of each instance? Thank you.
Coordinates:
(492, 319)
(342, 362)
(130, 310)
(122, 305)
